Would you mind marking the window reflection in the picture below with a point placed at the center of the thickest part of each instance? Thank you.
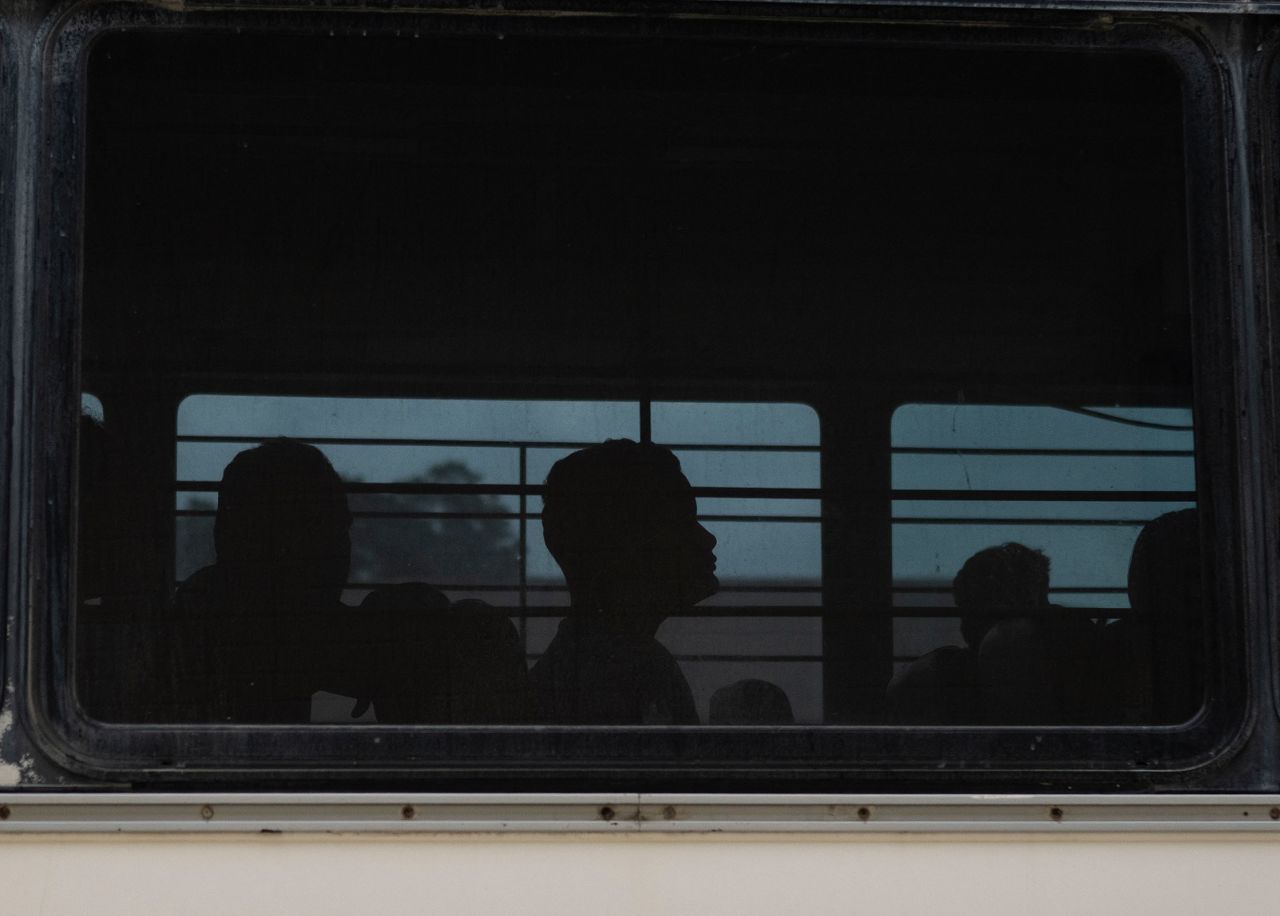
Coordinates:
(1014, 554)
(841, 291)
(460, 511)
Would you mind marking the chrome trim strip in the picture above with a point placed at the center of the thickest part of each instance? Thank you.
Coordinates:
(43, 812)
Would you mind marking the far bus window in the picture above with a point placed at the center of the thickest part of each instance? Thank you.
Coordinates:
(1020, 591)
(444, 492)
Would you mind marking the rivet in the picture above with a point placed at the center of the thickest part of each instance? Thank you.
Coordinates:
(1275, 814)
(206, 812)
(864, 814)
(407, 812)
(4, 812)
(669, 813)
(1055, 813)
(606, 813)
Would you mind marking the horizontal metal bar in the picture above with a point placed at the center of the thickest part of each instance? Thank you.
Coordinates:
(812, 519)
(719, 610)
(398, 441)
(1057, 589)
(1142, 496)
(762, 519)
(817, 611)
(211, 513)
(801, 611)
(491, 443)
(385, 440)
(746, 657)
(400, 487)
(516, 516)
(1006, 613)
(805, 659)
(515, 489)
(1055, 522)
(1048, 452)
(1043, 453)
(213, 812)
(1119, 496)
(560, 587)
(467, 587)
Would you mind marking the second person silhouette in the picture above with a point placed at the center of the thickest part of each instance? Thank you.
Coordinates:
(621, 521)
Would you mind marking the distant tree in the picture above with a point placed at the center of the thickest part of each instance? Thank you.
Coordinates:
(467, 548)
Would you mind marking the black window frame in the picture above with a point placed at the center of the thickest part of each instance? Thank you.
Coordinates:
(9, 67)
(696, 758)
(1263, 87)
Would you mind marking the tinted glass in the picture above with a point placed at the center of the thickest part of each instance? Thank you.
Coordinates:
(475, 380)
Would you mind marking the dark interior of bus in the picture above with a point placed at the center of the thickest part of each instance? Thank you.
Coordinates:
(915, 322)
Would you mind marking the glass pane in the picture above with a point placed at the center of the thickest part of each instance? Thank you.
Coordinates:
(424, 533)
(458, 381)
(1084, 608)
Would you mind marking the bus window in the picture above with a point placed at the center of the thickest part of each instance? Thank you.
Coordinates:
(456, 509)
(694, 405)
(1016, 570)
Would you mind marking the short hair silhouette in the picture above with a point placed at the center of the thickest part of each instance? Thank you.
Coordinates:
(613, 505)
(751, 702)
(255, 632)
(1009, 576)
(1166, 593)
(1164, 570)
(945, 685)
(595, 500)
(282, 513)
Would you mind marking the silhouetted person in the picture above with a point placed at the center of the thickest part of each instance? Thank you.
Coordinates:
(994, 581)
(1156, 656)
(459, 664)
(620, 520)
(257, 630)
(945, 685)
(1037, 663)
(751, 702)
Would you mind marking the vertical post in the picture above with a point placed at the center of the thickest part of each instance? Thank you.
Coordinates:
(857, 634)
(646, 419)
(524, 550)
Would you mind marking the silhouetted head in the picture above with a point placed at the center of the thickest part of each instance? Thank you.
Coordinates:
(751, 702)
(1008, 577)
(1164, 571)
(283, 523)
(620, 520)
